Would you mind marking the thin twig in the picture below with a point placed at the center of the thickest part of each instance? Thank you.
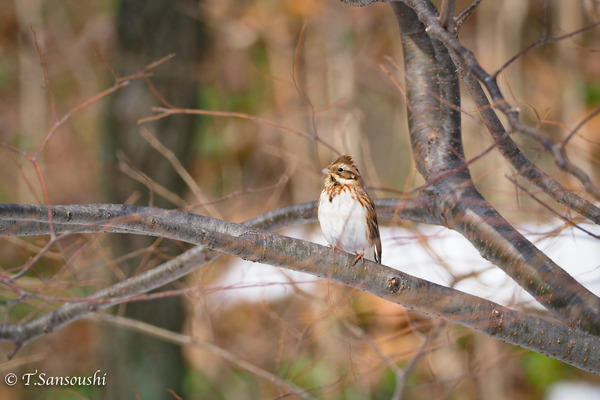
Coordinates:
(434, 29)
(187, 340)
(46, 74)
(547, 207)
(166, 112)
(579, 126)
(180, 169)
(464, 16)
(543, 40)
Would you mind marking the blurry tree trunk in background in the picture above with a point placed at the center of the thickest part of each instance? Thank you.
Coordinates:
(33, 108)
(146, 32)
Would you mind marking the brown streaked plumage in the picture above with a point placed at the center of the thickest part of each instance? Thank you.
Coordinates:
(346, 211)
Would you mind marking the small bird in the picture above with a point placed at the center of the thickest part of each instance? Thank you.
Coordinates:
(346, 211)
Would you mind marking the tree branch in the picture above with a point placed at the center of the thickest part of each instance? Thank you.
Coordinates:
(422, 8)
(187, 340)
(15, 221)
(569, 345)
(433, 101)
(511, 152)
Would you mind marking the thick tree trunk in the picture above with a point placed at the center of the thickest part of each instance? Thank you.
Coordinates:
(146, 32)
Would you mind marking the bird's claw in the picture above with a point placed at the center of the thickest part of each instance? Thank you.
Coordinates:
(360, 256)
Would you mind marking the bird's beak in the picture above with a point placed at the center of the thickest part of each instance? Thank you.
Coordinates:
(325, 171)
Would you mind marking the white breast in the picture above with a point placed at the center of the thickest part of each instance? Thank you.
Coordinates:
(344, 222)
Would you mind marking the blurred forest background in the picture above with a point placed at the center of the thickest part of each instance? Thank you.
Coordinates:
(324, 74)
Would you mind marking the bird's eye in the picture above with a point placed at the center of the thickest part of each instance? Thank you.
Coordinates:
(340, 169)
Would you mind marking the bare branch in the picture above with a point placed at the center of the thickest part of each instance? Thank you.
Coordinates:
(437, 150)
(447, 14)
(567, 344)
(424, 12)
(165, 112)
(543, 40)
(511, 152)
(186, 340)
(464, 16)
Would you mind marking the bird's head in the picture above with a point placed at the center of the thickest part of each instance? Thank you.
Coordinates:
(342, 171)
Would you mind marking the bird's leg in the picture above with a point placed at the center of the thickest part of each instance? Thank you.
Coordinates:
(360, 256)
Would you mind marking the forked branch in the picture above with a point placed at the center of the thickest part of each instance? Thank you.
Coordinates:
(433, 100)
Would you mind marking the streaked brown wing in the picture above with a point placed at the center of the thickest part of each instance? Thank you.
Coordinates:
(373, 225)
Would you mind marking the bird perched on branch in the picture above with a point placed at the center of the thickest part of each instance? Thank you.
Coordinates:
(346, 211)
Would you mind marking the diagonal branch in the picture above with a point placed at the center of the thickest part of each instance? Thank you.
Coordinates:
(434, 123)
(511, 152)
(247, 242)
(78, 219)
(187, 340)
(471, 72)
(423, 10)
